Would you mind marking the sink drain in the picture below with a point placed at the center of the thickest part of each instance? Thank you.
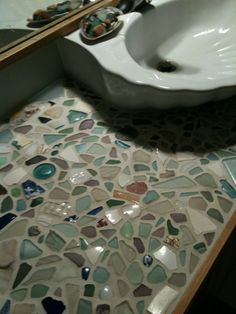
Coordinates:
(166, 66)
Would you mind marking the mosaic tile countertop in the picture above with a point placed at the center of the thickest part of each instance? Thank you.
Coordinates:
(103, 211)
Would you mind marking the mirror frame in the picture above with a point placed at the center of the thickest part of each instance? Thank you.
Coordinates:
(60, 27)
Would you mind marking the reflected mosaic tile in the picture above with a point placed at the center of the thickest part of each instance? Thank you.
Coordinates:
(103, 211)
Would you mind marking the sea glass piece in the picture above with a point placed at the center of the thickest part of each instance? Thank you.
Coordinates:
(67, 230)
(89, 231)
(167, 257)
(29, 250)
(123, 308)
(162, 300)
(41, 275)
(117, 263)
(228, 188)
(216, 214)
(31, 189)
(144, 229)
(200, 223)
(147, 260)
(176, 183)
(89, 290)
(18, 295)
(54, 241)
(142, 291)
(39, 291)
(206, 180)
(44, 171)
(101, 275)
(49, 303)
(85, 271)
(83, 203)
(105, 293)
(14, 176)
(225, 204)
(122, 287)
(94, 253)
(15, 229)
(157, 275)
(6, 136)
(75, 116)
(134, 273)
(51, 138)
(127, 230)
(150, 197)
(85, 306)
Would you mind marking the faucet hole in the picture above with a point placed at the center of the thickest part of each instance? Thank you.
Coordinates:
(166, 66)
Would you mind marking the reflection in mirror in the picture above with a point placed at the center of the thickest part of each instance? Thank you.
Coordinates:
(21, 17)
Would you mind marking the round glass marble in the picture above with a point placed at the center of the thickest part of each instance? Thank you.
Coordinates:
(44, 171)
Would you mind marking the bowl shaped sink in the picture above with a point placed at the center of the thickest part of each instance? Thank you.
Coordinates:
(173, 53)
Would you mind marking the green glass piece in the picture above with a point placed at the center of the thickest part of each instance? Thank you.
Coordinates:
(98, 130)
(153, 244)
(3, 161)
(19, 295)
(195, 171)
(176, 183)
(134, 273)
(79, 190)
(212, 156)
(154, 165)
(65, 185)
(109, 186)
(15, 192)
(69, 102)
(228, 188)
(182, 257)
(68, 230)
(225, 153)
(66, 131)
(37, 201)
(97, 149)
(69, 144)
(144, 230)
(83, 203)
(187, 194)
(99, 161)
(62, 175)
(172, 164)
(157, 275)
(114, 243)
(160, 221)
(140, 306)
(99, 242)
(230, 165)
(207, 180)
(127, 171)
(116, 261)
(168, 195)
(105, 255)
(200, 247)
(127, 230)
(171, 229)
(101, 275)
(90, 139)
(204, 161)
(51, 138)
(45, 274)
(150, 197)
(141, 167)
(214, 213)
(75, 116)
(92, 172)
(40, 239)
(7, 204)
(113, 162)
(54, 241)
(85, 220)
(89, 290)
(6, 136)
(113, 202)
(15, 229)
(153, 179)
(49, 185)
(15, 155)
(20, 205)
(101, 123)
(39, 291)
(83, 244)
(84, 306)
(29, 250)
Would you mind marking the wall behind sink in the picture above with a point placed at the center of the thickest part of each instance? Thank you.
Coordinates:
(22, 79)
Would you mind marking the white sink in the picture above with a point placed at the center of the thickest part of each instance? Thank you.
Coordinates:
(198, 37)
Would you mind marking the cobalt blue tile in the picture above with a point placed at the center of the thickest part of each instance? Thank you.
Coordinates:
(6, 219)
(53, 306)
(85, 272)
(6, 307)
(31, 189)
(95, 211)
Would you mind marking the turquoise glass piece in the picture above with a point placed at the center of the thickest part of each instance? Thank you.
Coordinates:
(114, 243)
(44, 171)
(83, 203)
(98, 130)
(69, 102)
(150, 197)
(212, 157)
(127, 230)
(109, 186)
(18, 295)
(160, 221)
(176, 183)
(97, 149)
(99, 161)
(7, 204)
(51, 138)
(68, 230)
(81, 148)
(227, 188)
(157, 275)
(140, 306)
(172, 164)
(99, 242)
(144, 230)
(230, 165)
(101, 275)
(83, 244)
(204, 161)
(225, 153)
(66, 131)
(29, 250)
(3, 161)
(216, 214)
(207, 180)
(54, 241)
(41, 274)
(182, 257)
(141, 167)
(75, 116)
(39, 291)
(200, 247)
(153, 244)
(154, 165)
(5, 136)
(122, 144)
(84, 306)
(195, 171)
(134, 273)
(90, 139)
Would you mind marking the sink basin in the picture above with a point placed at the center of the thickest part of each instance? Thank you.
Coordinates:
(173, 53)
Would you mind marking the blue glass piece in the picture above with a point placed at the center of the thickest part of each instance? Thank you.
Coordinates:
(212, 156)
(227, 188)
(53, 306)
(154, 165)
(6, 219)
(72, 218)
(122, 144)
(31, 189)
(44, 171)
(95, 211)
(6, 307)
(147, 260)
(85, 272)
(5, 136)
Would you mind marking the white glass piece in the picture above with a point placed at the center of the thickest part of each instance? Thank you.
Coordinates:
(105, 293)
(69, 154)
(113, 216)
(132, 210)
(200, 223)
(216, 168)
(167, 257)
(162, 300)
(185, 156)
(78, 176)
(5, 148)
(124, 179)
(14, 176)
(94, 253)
